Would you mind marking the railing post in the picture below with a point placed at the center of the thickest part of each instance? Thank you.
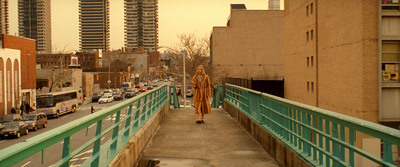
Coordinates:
(66, 149)
(128, 122)
(113, 146)
(96, 145)
(387, 152)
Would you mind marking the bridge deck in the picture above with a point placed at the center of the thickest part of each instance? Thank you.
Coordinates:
(220, 141)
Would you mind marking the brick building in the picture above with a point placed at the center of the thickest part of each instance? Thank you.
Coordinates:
(89, 60)
(337, 54)
(18, 75)
(54, 60)
(252, 41)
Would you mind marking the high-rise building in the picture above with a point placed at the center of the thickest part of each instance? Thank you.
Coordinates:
(34, 21)
(4, 17)
(94, 18)
(141, 24)
(274, 5)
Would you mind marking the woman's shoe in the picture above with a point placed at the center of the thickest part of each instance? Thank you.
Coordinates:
(198, 122)
(202, 121)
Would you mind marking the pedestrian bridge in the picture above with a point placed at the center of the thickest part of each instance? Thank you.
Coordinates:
(251, 129)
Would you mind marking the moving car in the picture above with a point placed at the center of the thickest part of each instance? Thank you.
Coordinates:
(130, 93)
(117, 96)
(126, 85)
(34, 121)
(14, 129)
(106, 99)
(96, 96)
(142, 89)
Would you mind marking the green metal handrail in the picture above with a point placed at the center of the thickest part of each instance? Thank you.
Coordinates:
(218, 97)
(139, 110)
(174, 99)
(322, 137)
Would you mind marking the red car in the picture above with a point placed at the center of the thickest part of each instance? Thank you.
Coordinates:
(142, 89)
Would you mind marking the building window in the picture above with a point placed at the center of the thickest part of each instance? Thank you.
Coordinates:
(390, 61)
(308, 86)
(312, 34)
(307, 10)
(308, 61)
(312, 86)
(311, 8)
(312, 61)
(308, 36)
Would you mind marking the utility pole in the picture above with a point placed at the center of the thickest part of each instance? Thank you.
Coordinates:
(109, 81)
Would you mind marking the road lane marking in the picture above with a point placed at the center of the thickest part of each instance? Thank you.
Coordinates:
(26, 164)
(102, 138)
(2, 141)
(91, 126)
(65, 116)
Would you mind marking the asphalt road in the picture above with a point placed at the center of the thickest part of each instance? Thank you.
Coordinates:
(53, 153)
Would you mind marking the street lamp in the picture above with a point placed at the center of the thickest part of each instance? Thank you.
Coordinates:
(184, 78)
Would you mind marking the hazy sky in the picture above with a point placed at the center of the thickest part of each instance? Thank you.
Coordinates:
(175, 17)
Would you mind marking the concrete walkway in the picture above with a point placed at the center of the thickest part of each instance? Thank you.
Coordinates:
(221, 141)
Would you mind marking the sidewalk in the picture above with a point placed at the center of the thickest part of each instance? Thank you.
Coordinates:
(221, 141)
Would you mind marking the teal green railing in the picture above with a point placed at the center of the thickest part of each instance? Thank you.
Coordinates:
(129, 116)
(174, 99)
(321, 137)
(218, 97)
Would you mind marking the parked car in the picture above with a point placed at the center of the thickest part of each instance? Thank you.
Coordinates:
(155, 85)
(187, 103)
(96, 96)
(117, 96)
(130, 93)
(106, 99)
(189, 92)
(34, 121)
(14, 129)
(142, 89)
(149, 87)
(11, 118)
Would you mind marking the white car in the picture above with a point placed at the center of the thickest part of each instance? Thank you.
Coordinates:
(106, 99)
(188, 104)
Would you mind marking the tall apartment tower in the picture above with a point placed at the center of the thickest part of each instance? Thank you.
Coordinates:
(4, 17)
(94, 19)
(141, 24)
(274, 5)
(34, 21)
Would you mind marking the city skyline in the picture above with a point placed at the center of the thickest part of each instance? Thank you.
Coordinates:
(187, 16)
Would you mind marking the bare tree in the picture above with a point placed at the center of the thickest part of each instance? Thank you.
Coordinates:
(197, 53)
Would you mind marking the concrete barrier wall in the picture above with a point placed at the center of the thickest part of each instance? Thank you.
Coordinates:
(130, 154)
(283, 155)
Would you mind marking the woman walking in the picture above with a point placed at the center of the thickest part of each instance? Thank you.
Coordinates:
(202, 91)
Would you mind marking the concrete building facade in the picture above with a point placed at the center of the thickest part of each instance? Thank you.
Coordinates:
(4, 17)
(34, 21)
(252, 41)
(139, 61)
(94, 24)
(18, 72)
(141, 24)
